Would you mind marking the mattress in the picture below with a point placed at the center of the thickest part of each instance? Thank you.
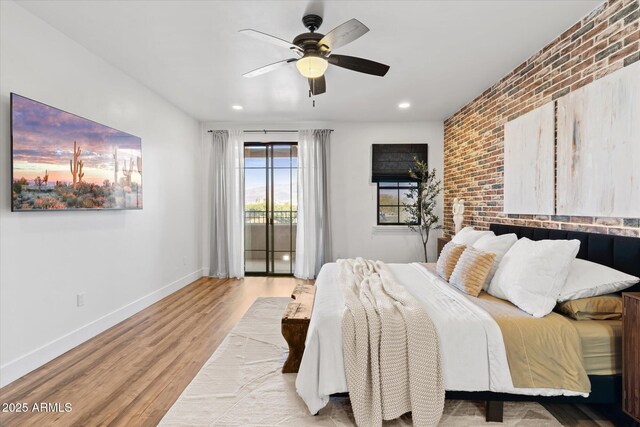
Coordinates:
(601, 345)
(471, 343)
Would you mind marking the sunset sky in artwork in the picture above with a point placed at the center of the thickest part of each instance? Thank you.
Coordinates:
(43, 139)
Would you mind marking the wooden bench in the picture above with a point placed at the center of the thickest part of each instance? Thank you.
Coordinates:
(295, 322)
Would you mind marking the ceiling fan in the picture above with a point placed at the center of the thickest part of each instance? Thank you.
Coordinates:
(315, 52)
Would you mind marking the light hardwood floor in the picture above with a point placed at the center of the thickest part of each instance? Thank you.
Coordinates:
(131, 374)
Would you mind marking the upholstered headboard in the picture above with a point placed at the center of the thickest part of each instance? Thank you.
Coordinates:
(619, 252)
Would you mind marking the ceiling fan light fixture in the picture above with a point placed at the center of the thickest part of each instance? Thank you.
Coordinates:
(315, 51)
(312, 66)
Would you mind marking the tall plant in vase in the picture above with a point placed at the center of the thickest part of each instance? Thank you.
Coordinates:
(421, 216)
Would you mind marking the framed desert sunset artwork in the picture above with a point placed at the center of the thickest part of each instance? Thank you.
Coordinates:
(61, 161)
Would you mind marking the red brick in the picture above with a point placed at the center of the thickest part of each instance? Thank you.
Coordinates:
(624, 52)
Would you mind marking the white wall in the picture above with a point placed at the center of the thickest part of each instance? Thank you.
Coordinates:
(353, 196)
(121, 260)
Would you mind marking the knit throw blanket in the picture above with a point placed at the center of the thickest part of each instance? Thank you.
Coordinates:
(391, 350)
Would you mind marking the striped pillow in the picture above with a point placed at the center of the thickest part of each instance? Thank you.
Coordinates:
(448, 259)
(472, 270)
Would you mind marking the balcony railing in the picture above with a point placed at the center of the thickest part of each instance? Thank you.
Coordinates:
(279, 217)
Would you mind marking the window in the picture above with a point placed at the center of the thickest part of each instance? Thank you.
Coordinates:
(392, 199)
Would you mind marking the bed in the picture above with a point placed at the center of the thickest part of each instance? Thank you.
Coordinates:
(473, 356)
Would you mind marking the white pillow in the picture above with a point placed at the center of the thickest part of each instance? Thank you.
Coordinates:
(498, 245)
(468, 236)
(532, 274)
(590, 279)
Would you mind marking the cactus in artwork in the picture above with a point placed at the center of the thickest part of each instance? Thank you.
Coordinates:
(45, 180)
(115, 166)
(76, 165)
(127, 172)
(80, 173)
(139, 164)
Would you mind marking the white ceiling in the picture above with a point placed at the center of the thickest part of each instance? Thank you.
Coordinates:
(442, 53)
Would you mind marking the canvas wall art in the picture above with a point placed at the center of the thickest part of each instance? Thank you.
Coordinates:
(599, 147)
(529, 158)
(61, 161)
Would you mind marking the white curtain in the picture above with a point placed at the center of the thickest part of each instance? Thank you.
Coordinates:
(313, 240)
(226, 166)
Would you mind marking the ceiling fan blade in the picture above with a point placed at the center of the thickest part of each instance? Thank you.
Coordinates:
(342, 35)
(318, 85)
(270, 39)
(360, 65)
(268, 68)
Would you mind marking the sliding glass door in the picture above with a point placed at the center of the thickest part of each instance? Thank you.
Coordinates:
(271, 207)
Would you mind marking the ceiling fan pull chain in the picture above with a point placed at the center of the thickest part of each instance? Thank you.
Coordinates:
(313, 89)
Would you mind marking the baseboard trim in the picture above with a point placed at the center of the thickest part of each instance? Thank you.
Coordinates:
(21, 366)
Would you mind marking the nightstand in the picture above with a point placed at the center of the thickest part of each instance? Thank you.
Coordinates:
(441, 242)
(631, 354)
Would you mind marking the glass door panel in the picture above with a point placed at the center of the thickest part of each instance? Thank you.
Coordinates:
(255, 200)
(270, 207)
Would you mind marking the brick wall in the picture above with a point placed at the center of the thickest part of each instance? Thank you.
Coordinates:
(603, 42)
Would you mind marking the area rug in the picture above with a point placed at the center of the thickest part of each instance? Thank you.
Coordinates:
(242, 385)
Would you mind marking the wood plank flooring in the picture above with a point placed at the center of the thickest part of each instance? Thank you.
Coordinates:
(131, 374)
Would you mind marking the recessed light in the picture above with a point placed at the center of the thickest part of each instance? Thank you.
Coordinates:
(237, 107)
(404, 105)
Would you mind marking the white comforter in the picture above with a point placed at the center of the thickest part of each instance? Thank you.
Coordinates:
(472, 350)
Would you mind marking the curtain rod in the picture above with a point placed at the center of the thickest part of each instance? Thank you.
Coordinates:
(265, 131)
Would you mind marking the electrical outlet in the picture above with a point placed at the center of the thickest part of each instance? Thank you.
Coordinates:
(80, 299)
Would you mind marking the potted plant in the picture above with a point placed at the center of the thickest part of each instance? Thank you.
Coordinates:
(421, 216)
